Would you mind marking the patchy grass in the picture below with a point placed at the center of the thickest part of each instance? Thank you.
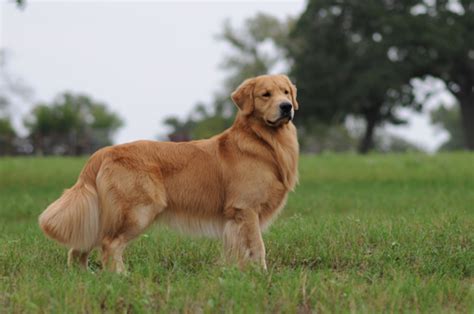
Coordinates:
(391, 233)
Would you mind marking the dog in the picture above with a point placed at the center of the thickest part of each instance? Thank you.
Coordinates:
(231, 186)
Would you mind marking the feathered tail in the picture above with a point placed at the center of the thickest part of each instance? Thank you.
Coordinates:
(74, 218)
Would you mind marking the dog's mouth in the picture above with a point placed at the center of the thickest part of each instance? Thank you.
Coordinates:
(281, 120)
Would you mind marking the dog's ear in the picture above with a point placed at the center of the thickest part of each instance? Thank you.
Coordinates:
(293, 93)
(243, 96)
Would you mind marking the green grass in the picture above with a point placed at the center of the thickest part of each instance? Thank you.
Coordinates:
(390, 233)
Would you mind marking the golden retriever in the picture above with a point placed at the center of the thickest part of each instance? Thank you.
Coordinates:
(230, 186)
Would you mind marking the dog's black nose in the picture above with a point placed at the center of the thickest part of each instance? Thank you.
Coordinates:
(285, 107)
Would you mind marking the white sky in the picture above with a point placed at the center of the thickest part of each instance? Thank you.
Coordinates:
(147, 60)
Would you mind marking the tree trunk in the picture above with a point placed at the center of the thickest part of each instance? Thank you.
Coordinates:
(467, 117)
(367, 141)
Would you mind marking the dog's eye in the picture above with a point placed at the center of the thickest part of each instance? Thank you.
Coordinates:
(267, 94)
(286, 92)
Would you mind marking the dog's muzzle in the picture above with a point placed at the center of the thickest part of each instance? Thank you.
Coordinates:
(286, 114)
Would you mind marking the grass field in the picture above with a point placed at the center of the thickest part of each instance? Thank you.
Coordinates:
(390, 233)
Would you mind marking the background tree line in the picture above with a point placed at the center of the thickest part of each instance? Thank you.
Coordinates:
(71, 124)
(353, 61)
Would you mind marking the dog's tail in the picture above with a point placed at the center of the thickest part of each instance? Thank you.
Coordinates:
(74, 218)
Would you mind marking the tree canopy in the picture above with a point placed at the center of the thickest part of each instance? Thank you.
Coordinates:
(72, 124)
(358, 57)
(346, 63)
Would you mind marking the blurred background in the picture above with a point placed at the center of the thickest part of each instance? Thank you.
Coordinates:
(375, 75)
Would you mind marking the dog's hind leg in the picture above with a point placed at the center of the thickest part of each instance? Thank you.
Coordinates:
(243, 240)
(105, 252)
(112, 254)
(138, 220)
(80, 256)
(112, 251)
(131, 201)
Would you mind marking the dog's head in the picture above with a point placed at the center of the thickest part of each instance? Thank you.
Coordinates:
(271, 98)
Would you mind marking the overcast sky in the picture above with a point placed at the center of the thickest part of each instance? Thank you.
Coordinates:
(147, 60)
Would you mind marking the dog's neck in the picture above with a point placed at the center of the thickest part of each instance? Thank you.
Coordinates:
(281, 143)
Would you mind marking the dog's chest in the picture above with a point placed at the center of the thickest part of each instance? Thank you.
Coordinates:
(272, 205)
(259, 189)
(274, 191)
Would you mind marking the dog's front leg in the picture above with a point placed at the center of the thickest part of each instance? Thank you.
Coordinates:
(243, 241)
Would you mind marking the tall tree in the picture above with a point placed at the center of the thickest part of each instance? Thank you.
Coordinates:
(346, 62)
(71, 125)
(442, 45)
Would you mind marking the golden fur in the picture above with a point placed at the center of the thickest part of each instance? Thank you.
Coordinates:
(230, 186)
